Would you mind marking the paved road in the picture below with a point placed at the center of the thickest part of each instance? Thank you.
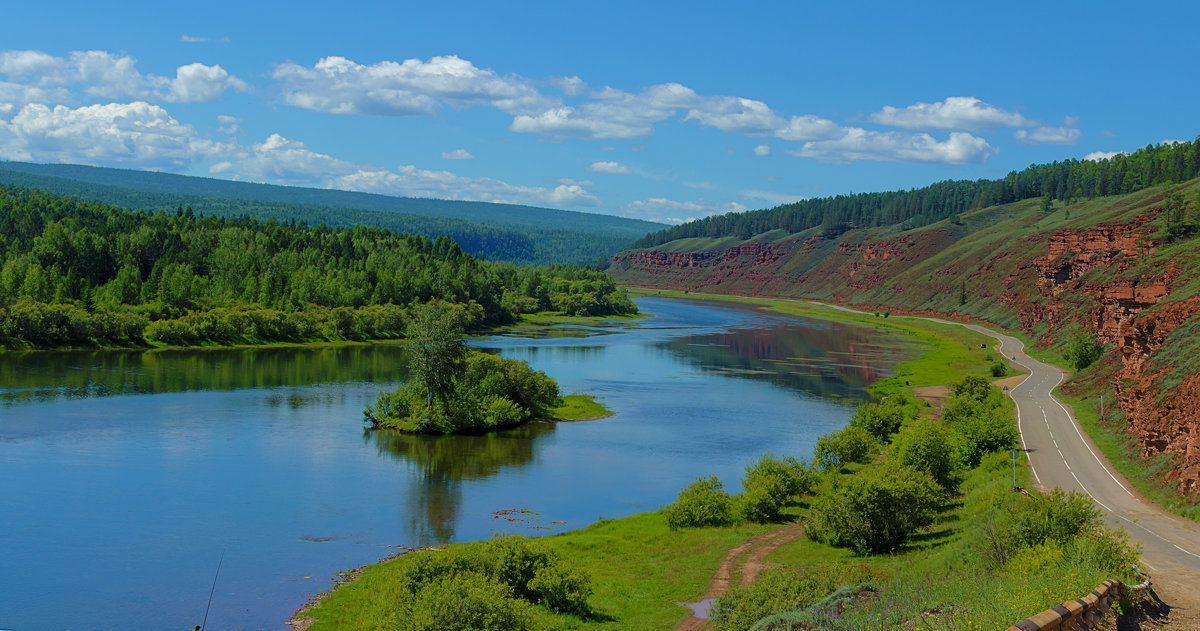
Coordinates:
(1061, 455)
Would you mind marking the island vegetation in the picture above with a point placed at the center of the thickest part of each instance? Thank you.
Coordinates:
(74, 273)
(453, 389)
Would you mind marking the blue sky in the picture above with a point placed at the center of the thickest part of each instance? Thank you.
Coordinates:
(660, 111)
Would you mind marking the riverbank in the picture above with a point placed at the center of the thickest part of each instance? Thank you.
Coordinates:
(1082, 391)
(528, 323)
(642, 570)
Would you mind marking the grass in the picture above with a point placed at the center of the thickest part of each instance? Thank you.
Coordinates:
(579, 407)
(641, 571)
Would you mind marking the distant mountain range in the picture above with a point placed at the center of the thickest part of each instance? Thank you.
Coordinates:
(505, 232)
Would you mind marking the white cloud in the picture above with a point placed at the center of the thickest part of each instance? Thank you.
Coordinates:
(808, 127)
(611, 113)
(666, 210)
(192, 39)
(107, 76)
(612, 168)
(571, 86)
(1049, 136)
(861, 144)
(279, 159)
(956, 112)
(458, 154)
(340, 86)
(138, 135)
(762, 150)
(736, 115)
(1097, 156)
(772, 197)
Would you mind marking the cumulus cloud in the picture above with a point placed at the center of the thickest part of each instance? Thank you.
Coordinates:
(192, 39)
(612, 168)
(611, 113)
(762, 150)
(138, 135)
(1097, 156)
(104, 75)
(671, 211)
(571, 86)
(1048, 136)
(956, 112)
(338, 85)
(861, 144)
(808, 127)
(458, 154)
(736, 115)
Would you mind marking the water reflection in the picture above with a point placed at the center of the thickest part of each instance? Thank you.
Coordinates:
(41, 376)
(822, 359)
(442, 463)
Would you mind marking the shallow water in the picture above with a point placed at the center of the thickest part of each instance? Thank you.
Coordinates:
(125, 476)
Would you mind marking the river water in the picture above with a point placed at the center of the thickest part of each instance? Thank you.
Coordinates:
(126, 477)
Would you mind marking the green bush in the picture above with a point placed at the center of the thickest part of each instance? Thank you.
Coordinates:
(702, 503)
(879, 420)
(930, 447)
(771, 484)
(1083, 350)
(774, 591)
(875, 510)
(838, 449)
(466, 601)
(1023, 522)
(529, 568)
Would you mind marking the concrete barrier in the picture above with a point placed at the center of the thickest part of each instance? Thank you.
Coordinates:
(1082, 614)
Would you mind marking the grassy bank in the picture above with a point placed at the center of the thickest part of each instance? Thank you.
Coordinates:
(640, 568)
(579, 407)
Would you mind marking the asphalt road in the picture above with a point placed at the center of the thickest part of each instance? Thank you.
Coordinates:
(1061, 455)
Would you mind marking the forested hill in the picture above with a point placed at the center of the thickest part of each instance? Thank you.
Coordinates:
(521, 234)
(1067, 180)
(73, 272)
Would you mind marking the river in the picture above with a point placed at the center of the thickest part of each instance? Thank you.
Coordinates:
(127, 476)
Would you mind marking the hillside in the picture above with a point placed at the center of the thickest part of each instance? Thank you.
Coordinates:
(508, 232)
(1104, 268)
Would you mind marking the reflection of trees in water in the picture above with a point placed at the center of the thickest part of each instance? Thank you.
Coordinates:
(441, 464)
(42, 376)
(829, 360)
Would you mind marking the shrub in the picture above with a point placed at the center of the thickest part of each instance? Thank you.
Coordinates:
(1083, 350)
(703, 503)
(529, 568)
(985, 429)
(466, 601)
(1023, 522)
(774, 591)
(879, 420)
(771, 484)
(838, 449)
(930, 447)
(875, 510)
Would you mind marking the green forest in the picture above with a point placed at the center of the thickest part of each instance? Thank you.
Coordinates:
(1064, 180)
(79, 273)
(498, 232)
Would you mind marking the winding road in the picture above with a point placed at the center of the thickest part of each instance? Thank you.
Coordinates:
(1062, 456)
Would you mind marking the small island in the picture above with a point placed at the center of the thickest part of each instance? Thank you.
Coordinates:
(455, 390)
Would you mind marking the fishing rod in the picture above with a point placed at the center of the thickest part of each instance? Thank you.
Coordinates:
(211, 592)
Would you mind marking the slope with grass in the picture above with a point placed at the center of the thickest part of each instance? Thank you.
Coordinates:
(1105, 269)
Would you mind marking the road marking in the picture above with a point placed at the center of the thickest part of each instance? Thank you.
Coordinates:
(1075, 424)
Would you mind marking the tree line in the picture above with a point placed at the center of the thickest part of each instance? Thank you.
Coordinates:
(1065, 180)
(74, 272)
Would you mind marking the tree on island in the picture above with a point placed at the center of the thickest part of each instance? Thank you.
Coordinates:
(435, 350)
(453, 389)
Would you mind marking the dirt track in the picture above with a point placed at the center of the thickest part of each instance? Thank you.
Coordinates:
(745, 561)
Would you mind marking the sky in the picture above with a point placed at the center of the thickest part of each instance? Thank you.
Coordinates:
(654, 110)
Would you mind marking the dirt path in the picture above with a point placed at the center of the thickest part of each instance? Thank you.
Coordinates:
(745, 559)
